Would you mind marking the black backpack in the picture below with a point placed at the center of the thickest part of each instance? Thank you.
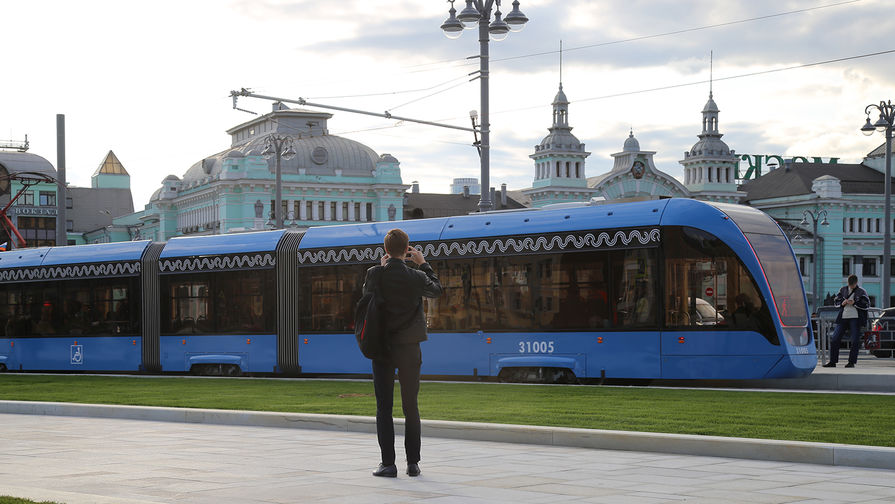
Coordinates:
(369, 324)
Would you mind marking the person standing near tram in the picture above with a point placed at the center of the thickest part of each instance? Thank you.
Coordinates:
(402, 289)
(853, 303)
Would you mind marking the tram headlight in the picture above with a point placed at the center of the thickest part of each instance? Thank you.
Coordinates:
(796, 336)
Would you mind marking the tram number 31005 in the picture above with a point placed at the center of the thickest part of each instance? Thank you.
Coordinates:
(535, 347)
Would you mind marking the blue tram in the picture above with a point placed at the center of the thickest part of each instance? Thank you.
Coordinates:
(666, 289)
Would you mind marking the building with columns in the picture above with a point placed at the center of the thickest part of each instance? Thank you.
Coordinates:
(849, 198)
(849, 195)
(710, 166)
(559, 162)
(89, 210)
(330, 180)
(710, 169)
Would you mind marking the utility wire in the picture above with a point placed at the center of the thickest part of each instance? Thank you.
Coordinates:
(674, 86)
(740, 76)
(644, 37)
(427, 96)
(465, 61)
(450, 81)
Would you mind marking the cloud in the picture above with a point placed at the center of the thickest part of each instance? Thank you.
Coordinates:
(798, 38)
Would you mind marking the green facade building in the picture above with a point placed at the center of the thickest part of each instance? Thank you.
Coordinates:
(89, 210)
(330, 180)
(847, 197)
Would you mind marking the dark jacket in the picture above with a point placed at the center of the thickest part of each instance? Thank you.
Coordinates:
(403, 289)
(862, 303)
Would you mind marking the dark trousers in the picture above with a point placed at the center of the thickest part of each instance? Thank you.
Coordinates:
(850, 325)
(407, 359)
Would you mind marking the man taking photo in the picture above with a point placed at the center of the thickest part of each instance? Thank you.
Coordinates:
(402, 288)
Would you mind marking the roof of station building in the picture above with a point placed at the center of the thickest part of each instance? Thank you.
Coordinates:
(316, 151)
(420, 205)
(710, 145)
(631, 143)
(797, 180)
(317, 155)
(110, 165)
(17, 162)
(710, 105)
(880, 151)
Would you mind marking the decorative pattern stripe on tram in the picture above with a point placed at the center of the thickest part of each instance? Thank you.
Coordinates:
(504, 245)
(68, 272)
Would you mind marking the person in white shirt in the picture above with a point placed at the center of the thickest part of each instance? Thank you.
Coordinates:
(853, 303)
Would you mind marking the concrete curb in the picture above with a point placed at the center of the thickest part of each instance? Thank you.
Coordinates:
(682, 444)
(859, 382)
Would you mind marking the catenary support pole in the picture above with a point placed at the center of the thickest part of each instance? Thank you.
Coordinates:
(61, 228)
(485, 158)
(887, 234)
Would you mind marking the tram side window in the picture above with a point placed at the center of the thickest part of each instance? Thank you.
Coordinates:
(229, 302)
(328, 297)
(91, 307)
(101, 307)
(573, 291)
(707, 285)
(240, 303)
(10, 310)
(31, 310)
(188, 304)
(634, 278)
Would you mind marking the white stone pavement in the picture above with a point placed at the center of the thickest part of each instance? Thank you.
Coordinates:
(77, 460)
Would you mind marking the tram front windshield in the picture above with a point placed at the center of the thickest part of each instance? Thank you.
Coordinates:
(776, 260)
(780, 269)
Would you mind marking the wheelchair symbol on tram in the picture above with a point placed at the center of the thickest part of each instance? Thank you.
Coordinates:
(77, 354)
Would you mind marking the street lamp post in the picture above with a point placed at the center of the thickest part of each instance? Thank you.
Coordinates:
(815, 218)
(884, 124)
(478, 13)
(281, 147)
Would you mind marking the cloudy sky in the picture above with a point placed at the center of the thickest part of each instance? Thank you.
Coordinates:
(150, 80)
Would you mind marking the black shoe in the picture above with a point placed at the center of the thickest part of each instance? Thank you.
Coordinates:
(413, 469)
(830, 364)
(850, 364)
(386, 471)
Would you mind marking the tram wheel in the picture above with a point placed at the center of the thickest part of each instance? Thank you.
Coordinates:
(216, 370)
(537, 375)
(206, 369)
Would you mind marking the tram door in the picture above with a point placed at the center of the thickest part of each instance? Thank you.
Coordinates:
(626, 344)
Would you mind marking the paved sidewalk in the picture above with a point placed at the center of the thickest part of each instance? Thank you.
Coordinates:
(77, 460)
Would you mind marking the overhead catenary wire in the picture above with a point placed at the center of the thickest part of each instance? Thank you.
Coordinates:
(651, 36)
(426, 96)
(386, 93)
(464, 62)
(740, 76)
(675, 86)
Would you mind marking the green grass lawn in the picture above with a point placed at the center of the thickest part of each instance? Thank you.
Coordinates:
(15, 500)
(834, 418)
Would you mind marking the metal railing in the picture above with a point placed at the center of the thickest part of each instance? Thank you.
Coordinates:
(877, 337)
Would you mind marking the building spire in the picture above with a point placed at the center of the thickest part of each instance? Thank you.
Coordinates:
(560, 102)
(560, 63)
(711, 65)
